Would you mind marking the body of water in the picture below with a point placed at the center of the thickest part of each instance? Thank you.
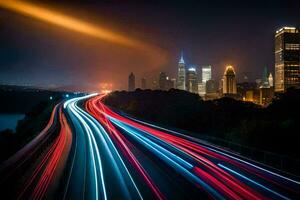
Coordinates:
(9, 121)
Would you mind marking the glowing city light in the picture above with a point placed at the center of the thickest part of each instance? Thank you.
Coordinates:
(68, 22)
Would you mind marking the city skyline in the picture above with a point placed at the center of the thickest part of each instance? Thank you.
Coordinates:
(149, 99)
(83, 59)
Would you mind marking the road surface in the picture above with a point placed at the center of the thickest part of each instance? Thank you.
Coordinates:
(89, 151)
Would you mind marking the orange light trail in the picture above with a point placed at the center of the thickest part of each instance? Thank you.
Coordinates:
(71, 23)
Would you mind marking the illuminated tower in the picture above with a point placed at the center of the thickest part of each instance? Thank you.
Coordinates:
(287, 58)
(206, 73)
(131, 82)
(265, 75)
(271, 81)
(181, 74)
(192, 83)
(229, 81)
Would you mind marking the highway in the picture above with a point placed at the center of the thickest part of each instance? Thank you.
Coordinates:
(89, 151)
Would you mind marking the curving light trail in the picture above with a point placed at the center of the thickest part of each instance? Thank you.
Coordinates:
(105, 160)
(220, 173)
(74, 24)
(88, 151)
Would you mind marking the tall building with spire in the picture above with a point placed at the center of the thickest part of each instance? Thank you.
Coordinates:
(131, 82)
(229, 81)
(181, 74)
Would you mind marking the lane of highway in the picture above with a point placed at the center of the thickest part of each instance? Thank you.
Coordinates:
(97, 171)
(29, 173)
(88, 151)
(220, 173)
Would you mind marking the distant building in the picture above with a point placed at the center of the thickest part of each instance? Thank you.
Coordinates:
(211, 86)
(249, 96)
(162, 81)
(229, 81)
(174, 83)
(143, 84)
(248, 91)
(169, 84)
(192, 81)
(181, 74)
(154, 84)
(206, 73)
(265, 75)
(266, 95)
(287, 58)
(131, 82)
(211, 90)
(271, 81)
(201, 89)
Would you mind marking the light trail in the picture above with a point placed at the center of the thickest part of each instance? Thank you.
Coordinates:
(252, 181)
(74, 24)
(116, 157)
(204, 159)
(100, 141)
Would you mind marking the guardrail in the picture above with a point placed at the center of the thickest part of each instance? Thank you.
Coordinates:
(283, 163)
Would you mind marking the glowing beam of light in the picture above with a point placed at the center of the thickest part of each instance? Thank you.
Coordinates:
(252, 181)
(71, 23)
(168, 158)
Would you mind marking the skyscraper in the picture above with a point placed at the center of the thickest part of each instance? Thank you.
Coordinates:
(229, 81)
(206, 73)
(265, 76)
(143, 84)
(131, 82)
(287, 58)
(192, 81)
(271, 81)
(162, 81)
(181, 74)
(201, 89)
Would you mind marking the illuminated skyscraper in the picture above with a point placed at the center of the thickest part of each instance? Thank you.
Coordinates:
(229, 81)
(181, 74)
(192, 82)
(287, 58)
(206, 73)
(131, 82)
(271, 81)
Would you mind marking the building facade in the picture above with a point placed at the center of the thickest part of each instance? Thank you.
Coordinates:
(162, 80)
(131, 82)
(271, 81)
(181, 74)
(287, 58)
(229, 81)
(206, 73)
(143, 84)
(192, 81)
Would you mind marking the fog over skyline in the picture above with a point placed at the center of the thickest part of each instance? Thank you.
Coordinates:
(213, 33)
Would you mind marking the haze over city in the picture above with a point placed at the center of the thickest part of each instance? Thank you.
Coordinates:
(215, 33)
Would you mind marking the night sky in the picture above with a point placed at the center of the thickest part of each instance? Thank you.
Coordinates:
(216, 33)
